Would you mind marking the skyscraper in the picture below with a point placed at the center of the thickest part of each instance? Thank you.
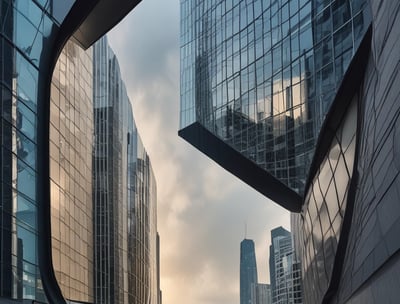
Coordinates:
(262, 293)
(248, 271)
(284, 271)
(125, 194)
(257, 79)
(71, 174)
(32, 36)
(301, 103)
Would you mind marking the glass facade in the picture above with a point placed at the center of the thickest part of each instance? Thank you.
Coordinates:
(125, 195)
(261, 75)
(261, 294)
(285, 272)
(110, 184)
(71, 147)
(30, 39)
(26, 29)
(248, 271)
(142, 230)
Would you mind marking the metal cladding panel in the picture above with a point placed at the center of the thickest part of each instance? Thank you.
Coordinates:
(371, 262)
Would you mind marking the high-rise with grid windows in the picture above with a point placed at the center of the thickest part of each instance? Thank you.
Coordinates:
(46, 136)
(299, 99)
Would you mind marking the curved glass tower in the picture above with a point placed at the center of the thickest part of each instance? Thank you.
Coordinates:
(125, 193)
(299, 98)
(32, 36)
(257, 79)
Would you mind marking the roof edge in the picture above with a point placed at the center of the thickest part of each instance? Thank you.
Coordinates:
(240, 166)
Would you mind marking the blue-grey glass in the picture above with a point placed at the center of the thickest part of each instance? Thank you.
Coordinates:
(26, 206)
(127, 173)
(305, 47)
(25, 29)
(26, 179)
(26, 81)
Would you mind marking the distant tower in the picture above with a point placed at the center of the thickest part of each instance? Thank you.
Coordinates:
(284, 269)
(248, 271)
(262, 294)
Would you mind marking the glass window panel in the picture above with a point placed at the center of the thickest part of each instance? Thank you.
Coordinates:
(26, 150)
(286, 52)
(26, 179)
(26, 82)
(26, 210)
(341, 13)
(277, 58)
(28, 38)
(321, 4)
(293, 6)
(295, 46)
(306, 39)
(341, 64)
(30, 10)
(28, 243)
(343, 39)
(323, 24)
(26, 121)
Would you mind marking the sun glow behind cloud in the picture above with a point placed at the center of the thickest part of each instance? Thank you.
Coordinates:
(202, 209)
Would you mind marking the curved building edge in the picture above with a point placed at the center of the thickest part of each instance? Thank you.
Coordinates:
(77, 19)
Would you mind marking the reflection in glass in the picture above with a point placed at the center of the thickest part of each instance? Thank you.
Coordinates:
(288, 59)
(324, 209)
(71, 143)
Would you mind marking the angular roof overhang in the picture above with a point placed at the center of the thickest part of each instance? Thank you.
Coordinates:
(240, 166)
(104, 15)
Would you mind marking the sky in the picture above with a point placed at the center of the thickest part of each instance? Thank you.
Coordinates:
(202, 209)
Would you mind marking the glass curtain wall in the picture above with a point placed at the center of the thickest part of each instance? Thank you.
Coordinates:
(144, 280)
(261, 75)
(110, 180)
(125, 194)
(26, 29)
(71, 147)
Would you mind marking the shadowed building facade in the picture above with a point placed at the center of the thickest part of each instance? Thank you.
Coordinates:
(299, 100)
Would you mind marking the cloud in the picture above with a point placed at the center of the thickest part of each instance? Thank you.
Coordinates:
(202, 209)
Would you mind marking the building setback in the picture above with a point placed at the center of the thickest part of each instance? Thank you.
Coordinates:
(299, 99)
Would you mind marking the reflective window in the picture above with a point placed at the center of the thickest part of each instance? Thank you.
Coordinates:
(304, 54)
(71, 144)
